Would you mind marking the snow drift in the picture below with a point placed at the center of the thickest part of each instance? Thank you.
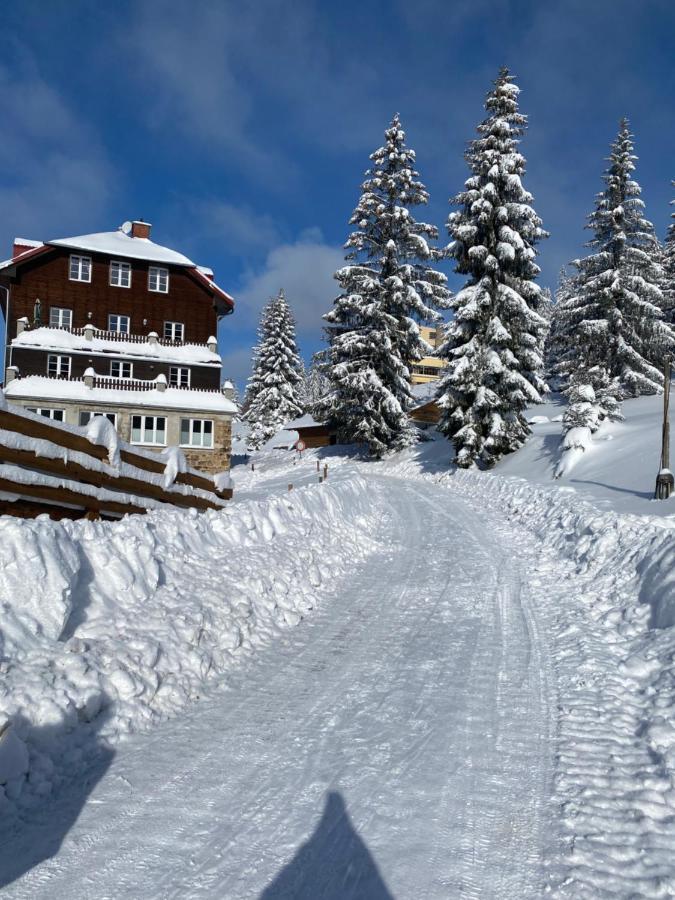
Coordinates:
(108, 627)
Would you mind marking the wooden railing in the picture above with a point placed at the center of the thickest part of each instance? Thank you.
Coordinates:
(110, 382)
(132, 338)
(67, 488)
(122, 384)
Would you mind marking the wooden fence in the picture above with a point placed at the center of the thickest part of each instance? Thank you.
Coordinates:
(63, 487)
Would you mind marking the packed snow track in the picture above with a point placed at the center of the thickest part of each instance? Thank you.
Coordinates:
(398, 743)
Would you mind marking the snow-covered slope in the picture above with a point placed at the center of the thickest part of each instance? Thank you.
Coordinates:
(619, 469)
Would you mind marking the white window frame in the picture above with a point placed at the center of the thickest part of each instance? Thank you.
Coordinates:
(48, 412)
(156, 276)
(119, 364)
(60, 317)
(192, 431)
(79, 268)
(117, 317)
(61, 367)
(118, 270)
(110, 416)
(177, 382)
(171, 329)
(146, 429)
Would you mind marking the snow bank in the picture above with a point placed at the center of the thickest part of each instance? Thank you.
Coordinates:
(108, 627)
(616, 740)
(609, 627)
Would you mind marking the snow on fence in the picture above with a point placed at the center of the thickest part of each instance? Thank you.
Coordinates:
(67, 472)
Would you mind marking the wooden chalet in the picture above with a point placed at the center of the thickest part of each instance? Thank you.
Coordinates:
(312, 433)
(115, 324)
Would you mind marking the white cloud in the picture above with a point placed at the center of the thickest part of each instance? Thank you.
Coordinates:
(304, 270)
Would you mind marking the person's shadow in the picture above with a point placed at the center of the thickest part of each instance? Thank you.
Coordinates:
(334, 864)
(36, 833)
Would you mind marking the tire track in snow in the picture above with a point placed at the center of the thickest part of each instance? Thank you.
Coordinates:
(398, 693)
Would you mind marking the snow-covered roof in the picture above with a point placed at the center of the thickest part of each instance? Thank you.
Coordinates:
(424, 393)
(117, 243)
(306, 421)
(60, 339)
(26, 242)
(39, 387)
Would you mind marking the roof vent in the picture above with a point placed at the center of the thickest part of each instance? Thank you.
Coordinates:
(140, 229)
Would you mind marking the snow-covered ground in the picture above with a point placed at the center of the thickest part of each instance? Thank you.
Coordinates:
(477, 700)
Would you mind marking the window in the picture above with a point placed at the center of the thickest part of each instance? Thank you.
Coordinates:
(87, 415)
(174, 331)
(179, 376)
(121, 324)
(58, 366)
(80, 268)
(60, 318)
(58, 415)
(120, 274)
(121, 369)
(148, 430)
(196, 433)
(158, 280)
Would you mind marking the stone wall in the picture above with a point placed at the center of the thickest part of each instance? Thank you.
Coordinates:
(218, 459)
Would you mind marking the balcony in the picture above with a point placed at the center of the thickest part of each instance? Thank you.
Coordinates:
(92, 340)
(89, 332)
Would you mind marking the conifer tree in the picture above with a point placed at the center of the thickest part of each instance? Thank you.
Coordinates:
(668, 263)
(556, 350)
(614, 316)
(272, 393)
(315, 385)
(591, 398)
(494, 345)
(387, 291)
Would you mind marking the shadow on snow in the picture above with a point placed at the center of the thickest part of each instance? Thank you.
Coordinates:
(332, 864)
(39, 827)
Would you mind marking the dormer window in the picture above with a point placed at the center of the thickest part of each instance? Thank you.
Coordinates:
(158, 280)
(120, 274)
(80, 268)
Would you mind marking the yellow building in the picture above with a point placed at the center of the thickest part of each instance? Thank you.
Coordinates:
(429, 367)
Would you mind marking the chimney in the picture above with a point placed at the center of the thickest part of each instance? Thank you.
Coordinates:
(140, 229)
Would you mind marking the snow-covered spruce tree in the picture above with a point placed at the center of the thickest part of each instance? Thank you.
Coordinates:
(494, 346)
(272, 391)
(668, 263)
(614, 317)
(315, 384)
(591, 398)
(557, 347)
(373, 327)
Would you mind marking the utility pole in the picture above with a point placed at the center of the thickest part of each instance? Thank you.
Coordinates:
(665, 480)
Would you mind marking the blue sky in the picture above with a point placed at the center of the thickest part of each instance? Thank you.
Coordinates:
(241, 130)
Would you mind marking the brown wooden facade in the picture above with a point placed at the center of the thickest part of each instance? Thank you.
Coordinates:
(34, 362)
(44, 276)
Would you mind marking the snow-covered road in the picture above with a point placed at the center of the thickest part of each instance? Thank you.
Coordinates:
(398, 743)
